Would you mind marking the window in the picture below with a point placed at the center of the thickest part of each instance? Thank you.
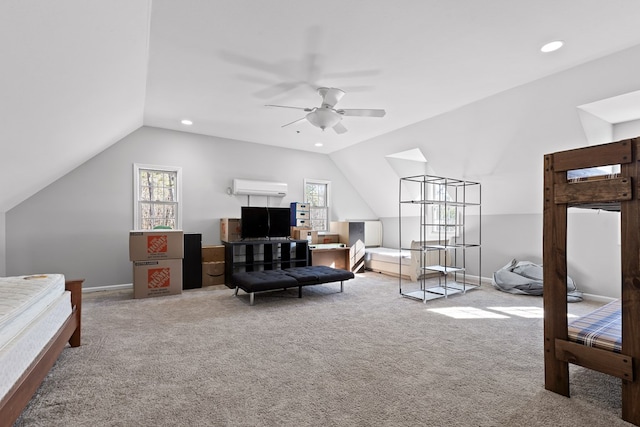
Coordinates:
(443, 214)
(318, 194)
(156, 197)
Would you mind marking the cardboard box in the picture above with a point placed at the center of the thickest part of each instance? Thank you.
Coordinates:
(155, 278)
(213, 253)
(230, 229)
(156, 244)
(213, 273)
(302, 222)
(329, 238)
(299, 233)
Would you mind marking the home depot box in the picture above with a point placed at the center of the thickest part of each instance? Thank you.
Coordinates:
(154, 278)
(230, 230)
(213, 273)
(304, 233)
(155, 244)
(213, 253)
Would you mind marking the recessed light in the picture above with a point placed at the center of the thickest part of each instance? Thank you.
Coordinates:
(186, 122)
(318, 144)
(552, 46)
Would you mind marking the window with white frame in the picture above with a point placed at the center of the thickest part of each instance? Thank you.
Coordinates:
(317, 193)
(157, 192)
(444, 217)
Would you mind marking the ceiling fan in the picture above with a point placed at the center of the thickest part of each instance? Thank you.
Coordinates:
(326, 115)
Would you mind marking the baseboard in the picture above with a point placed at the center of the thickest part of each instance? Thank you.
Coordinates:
(474, 279)
(597, 298)
(124, 286)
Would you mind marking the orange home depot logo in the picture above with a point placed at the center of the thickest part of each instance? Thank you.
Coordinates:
(157, 244)
(158, 278)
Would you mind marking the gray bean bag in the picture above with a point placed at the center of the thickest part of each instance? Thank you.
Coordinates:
(524, 277)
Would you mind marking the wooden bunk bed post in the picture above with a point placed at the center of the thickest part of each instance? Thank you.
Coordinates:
(559, 195)
(630, 260)
(554, 254)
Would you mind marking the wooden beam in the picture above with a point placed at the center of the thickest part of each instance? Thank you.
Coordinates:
(597, 191)
(554, 293)
(614, 153)
(608, 362)
(630, 260)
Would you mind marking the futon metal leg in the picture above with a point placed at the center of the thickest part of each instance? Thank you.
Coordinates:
(251, 298)
(236, 292)
(299, 291)
(341, 286)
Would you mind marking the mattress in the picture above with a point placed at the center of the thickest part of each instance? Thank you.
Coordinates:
(602, 328)
(23, 298)
(387, 255)
(18, 353)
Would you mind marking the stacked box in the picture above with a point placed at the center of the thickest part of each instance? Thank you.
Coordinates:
(230, 229)
(155, 278)
(304, 233)
(300, 214)
(156, 244)
(212, 265)
(157, 262)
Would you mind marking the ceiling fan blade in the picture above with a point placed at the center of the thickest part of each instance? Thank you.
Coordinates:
(295, 121)
(339, 128)
(275, 90)
(362, 112)
(288, 106)
(330, 96)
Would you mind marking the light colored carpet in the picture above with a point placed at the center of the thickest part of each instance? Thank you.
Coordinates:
(365, 357)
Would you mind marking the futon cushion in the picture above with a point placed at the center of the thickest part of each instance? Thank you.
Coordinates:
(304, 275)
(318, 274)
(255, 281)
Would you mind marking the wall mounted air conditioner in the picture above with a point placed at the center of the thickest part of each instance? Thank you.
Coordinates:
(259, 188)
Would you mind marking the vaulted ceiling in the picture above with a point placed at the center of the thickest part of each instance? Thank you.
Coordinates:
(78, 76)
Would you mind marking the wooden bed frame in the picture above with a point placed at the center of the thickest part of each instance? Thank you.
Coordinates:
(559, 194)
(14, 402)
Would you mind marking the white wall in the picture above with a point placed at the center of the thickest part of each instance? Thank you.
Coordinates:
(625, 130)
(79, 224)
(3, 257)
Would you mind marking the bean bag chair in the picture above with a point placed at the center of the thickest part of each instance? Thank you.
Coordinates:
(525, 278)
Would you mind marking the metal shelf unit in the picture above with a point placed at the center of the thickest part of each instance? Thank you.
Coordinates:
(447, 215)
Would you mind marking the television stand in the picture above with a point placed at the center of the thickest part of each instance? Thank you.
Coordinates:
(263, 254)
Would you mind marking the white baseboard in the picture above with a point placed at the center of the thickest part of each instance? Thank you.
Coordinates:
(108, 288)
(474, 279)
(597, 298)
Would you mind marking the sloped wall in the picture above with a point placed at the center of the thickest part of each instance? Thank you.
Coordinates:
(79, 224)
(500, 142)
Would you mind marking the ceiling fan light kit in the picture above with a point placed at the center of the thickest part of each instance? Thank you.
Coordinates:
(326, 116)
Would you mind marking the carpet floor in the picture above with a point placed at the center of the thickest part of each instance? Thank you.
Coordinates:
(364, 357)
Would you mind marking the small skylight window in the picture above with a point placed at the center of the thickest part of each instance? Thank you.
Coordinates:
(552, 46)
(318, 144)
(186, 122)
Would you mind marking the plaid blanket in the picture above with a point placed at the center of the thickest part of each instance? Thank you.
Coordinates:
(601, 328)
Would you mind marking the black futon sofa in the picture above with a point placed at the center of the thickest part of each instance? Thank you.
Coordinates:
(268, 280)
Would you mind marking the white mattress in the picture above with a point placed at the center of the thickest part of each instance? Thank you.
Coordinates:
(388, 255)
(23, 298)
(18, 353)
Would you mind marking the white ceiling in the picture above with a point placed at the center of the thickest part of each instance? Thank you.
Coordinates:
(77, 76)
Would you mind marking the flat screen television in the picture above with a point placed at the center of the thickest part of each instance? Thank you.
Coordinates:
(264, 222)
